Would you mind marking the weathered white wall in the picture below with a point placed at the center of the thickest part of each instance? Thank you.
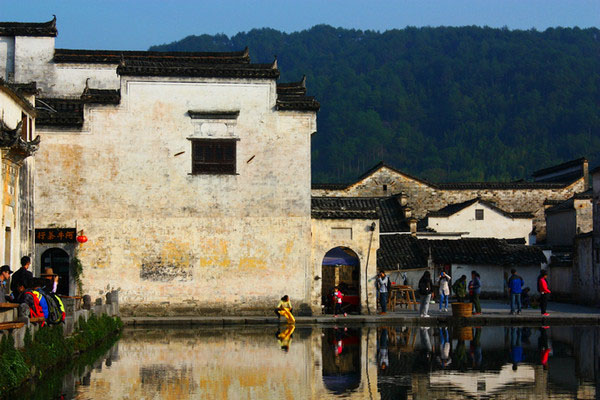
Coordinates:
(492, 276)
(17, 190)
(493, 225)
(32, 61)
(7, 57)
(175, 242)
(361, 241)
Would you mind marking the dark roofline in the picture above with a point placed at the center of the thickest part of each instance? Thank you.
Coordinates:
(115, 56)
(15, 93)
(568, 164)
(40, 29)
(451, 185)
(155, 68)
(595, 170)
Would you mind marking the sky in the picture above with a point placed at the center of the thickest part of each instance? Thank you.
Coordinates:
(139, 24)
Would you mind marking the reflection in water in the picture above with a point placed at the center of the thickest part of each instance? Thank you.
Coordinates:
(341, 360)
(396, 362)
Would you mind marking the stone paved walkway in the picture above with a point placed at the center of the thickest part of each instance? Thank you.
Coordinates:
(494, 313)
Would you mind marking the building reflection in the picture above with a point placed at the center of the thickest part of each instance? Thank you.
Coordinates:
(385, 362)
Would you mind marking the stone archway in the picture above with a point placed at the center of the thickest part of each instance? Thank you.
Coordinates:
(59, 261)
(341, 267)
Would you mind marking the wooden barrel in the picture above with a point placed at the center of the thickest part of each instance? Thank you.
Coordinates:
(464, 310)
(463, 333)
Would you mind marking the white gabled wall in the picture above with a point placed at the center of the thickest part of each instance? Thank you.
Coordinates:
(493, 225)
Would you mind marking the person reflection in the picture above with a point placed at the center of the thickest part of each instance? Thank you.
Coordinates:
(544, 346)
(475, 349)
(516, 350)
(426, 348)
(444, 357)
(285, 338)
(384, 360)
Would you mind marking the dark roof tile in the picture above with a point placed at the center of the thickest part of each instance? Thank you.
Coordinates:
(407, 252)
(29, 28)
(59, 112)
(559, 167)
(116, 56)
(452, 209)
(292, 97)
(178, 68)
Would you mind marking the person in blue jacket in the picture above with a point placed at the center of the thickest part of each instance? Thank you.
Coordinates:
(515, 287)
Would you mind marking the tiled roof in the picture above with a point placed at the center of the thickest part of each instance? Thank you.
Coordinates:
(569, 204)
(59, 112)
(26, 88)
(452, 209)
(517, 185)
(344, 208)
(559, 167)
(386, 209)
(484, 252)
(292, 97)
(11, 140)
(195, 69)
(16, 91)
(29, 28)
(407, 252)
(520, 185)
(116, 56)
(401, 251)
(101, 96)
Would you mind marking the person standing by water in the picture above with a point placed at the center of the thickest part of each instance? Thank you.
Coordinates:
(474, 291)
(425, 288)
(460, 288)
(383, 286)
(544, 291)
(515, 287)
(444, 283)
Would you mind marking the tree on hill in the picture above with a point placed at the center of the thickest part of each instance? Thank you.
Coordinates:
(446, 104)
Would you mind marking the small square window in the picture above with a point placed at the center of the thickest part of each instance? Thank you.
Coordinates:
(213, 156)
(385, 188)
(479, 215)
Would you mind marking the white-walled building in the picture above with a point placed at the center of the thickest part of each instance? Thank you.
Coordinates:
(189, 173)
(481, 219)
(17, 144)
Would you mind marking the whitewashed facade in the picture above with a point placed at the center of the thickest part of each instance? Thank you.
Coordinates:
(120, 130)
(481, 219)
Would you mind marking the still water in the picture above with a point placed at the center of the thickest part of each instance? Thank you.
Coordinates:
(393, 362)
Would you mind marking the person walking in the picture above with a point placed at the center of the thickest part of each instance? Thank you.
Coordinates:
(460, 288)
(384, 287)
(475, 291)
(444, 283)
(544, 292)
(515, 287)
(425, 288)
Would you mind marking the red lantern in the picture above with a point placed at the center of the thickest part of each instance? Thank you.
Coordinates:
(82, 238)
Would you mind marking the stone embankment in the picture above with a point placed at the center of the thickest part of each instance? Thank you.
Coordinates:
(75, 308)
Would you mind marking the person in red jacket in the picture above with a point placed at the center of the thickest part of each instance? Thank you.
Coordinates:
(544, 292)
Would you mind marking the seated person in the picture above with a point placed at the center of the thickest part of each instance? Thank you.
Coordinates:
(51, 283)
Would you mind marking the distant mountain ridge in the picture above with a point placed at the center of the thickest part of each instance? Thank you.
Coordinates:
(444, 104)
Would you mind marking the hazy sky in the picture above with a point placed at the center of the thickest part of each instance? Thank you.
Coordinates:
(138, 24)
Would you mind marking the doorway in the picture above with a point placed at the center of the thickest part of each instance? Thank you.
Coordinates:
(59, 261)
(341, 268)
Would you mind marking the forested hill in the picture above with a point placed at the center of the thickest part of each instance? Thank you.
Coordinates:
(445, 104)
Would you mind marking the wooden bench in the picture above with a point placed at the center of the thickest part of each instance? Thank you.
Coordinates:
(403, 296)
(11, 325)
(8, 306)
(36, 320)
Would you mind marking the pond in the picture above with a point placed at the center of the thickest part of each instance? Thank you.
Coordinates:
(358, 362)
